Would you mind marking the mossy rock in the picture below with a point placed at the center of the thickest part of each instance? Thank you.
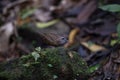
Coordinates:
(46, 64)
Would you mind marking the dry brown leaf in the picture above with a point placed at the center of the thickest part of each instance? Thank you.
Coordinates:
(87, 11)
(72, 36)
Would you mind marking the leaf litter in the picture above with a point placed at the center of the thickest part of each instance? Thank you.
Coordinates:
(85, 21)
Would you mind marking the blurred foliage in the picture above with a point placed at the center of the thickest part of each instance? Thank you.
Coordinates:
(111, 7)
(26, 13)
(94, 68)
(113, 42)
(52, 64)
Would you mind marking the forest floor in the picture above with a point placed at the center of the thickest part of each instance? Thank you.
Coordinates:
(88, 28)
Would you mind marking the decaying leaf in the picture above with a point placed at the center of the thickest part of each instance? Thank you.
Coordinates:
(87, 11)
(5, 32)
(72, 36)
(93, 47)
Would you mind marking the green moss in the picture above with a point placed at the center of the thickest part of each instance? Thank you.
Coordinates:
(56, 63)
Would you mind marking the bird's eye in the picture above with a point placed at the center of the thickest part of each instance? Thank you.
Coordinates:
(63, 40)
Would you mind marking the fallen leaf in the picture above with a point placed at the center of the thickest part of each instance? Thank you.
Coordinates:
(93, 47)
(111, 7)
(5, 32)
(72, 36)
(87, 11)
(46, 24)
